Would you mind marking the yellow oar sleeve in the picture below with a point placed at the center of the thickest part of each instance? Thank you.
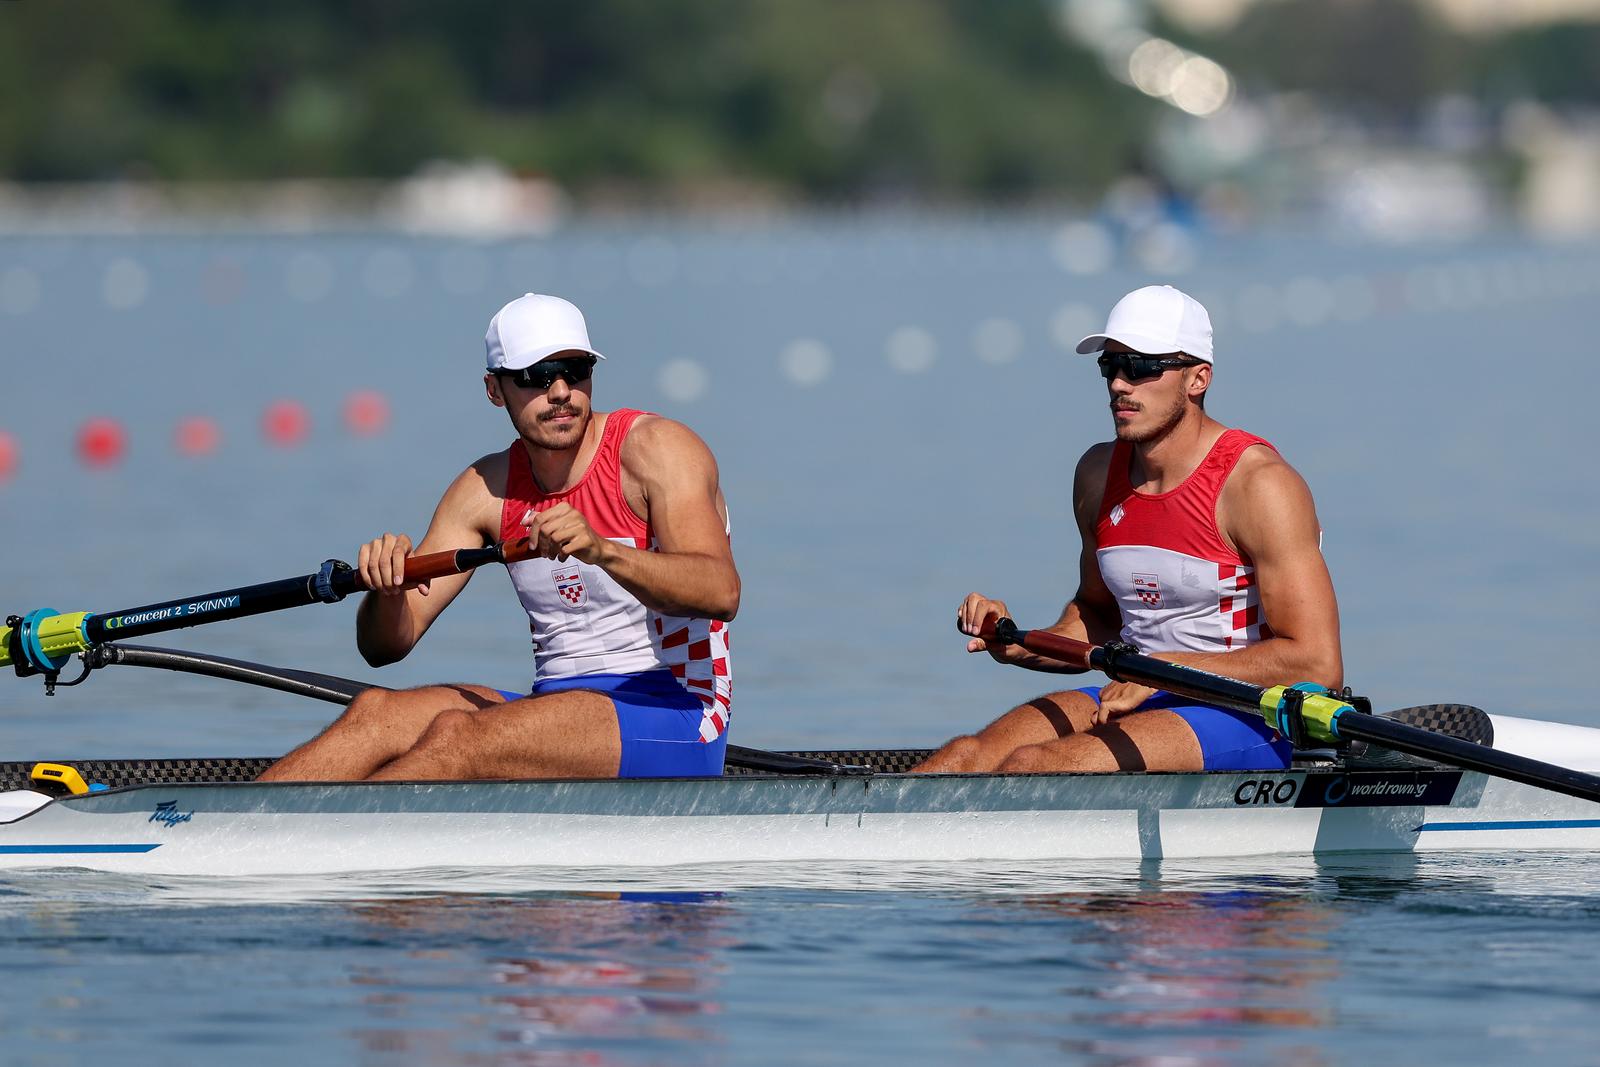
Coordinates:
(53, 637)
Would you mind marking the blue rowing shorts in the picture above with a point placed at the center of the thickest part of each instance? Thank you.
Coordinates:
(659, 721)
(1229, 740)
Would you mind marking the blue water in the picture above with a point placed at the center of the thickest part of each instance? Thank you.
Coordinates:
(1439, 399)
(1344, 961)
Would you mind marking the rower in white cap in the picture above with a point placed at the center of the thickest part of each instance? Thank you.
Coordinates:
(1200, 546)
(628, 597)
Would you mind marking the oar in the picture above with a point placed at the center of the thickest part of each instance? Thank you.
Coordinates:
(42, 641)
(1299, 713)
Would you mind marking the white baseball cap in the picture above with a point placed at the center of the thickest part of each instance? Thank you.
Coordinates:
(1155, 320)
(534, 327)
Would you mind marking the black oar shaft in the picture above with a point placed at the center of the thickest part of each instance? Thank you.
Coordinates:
(333, 583)
(43, 640)
(1176, 678)
(215, 607)
(1125, 664)
(1443, 748)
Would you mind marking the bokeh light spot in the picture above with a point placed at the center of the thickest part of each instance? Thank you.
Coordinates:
(1083, 248)
(997, 340)
(197, 435)
(683, 380)
(366, 413)
(1072, 323)
(126, 285)
(285, 423)
(806, 362)
(101, 442)
(911, 350)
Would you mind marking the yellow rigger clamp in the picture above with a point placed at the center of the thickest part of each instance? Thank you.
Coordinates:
(58, 779)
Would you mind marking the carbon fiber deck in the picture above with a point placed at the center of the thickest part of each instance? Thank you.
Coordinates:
(1457, 720)
(115, 773)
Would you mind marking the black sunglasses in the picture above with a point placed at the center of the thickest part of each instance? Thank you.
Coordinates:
(1136, 365)
(543, 374)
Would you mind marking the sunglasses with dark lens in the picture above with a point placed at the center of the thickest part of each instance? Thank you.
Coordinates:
(542, 375)
(1136, 365)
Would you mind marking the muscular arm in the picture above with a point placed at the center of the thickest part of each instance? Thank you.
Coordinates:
(670, 477)
(1267, 512)
(389, 625)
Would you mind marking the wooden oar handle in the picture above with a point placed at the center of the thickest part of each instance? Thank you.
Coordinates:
(516, 551)
(1039, 642)
(455, 561)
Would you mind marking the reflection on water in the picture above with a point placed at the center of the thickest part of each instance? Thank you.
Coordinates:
(1282, 959)
(613, 968)
(1197, 974)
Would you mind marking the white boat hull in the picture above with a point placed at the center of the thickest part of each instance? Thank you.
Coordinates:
(248, 828)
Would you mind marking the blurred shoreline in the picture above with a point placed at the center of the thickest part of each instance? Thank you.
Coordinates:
(1386, 194)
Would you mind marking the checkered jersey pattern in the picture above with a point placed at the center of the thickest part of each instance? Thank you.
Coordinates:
(1239, 605)
(696, 651)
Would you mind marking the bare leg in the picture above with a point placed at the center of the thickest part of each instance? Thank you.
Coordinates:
(570, 734)
(1047, 718)
(1156, 740)
(379, 725)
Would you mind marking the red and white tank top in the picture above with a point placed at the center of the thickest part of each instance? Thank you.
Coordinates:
(582, 620)
(1179, 586)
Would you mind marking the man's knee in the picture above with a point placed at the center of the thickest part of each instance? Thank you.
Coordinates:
(449, 727)
(1029, 759)
(369, 706)
(964, 750)
(957, 754)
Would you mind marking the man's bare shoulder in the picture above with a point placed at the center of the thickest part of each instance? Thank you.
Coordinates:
(654, 440)
(1262, 470)
(1096, 460)
(1264, 499)
(1089, 484)
(486, 474)
(476, 495)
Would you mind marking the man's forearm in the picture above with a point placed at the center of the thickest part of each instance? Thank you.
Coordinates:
(385, 632)
(1275, 661)
(676, 583)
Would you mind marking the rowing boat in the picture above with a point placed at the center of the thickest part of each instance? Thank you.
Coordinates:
(209, 816)
(1440, 777)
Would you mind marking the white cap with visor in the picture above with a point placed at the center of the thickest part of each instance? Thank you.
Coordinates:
(1156, 320)
(534, 327)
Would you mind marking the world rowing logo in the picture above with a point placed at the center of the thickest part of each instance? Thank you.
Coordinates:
(569, 583)
(1147, 587)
